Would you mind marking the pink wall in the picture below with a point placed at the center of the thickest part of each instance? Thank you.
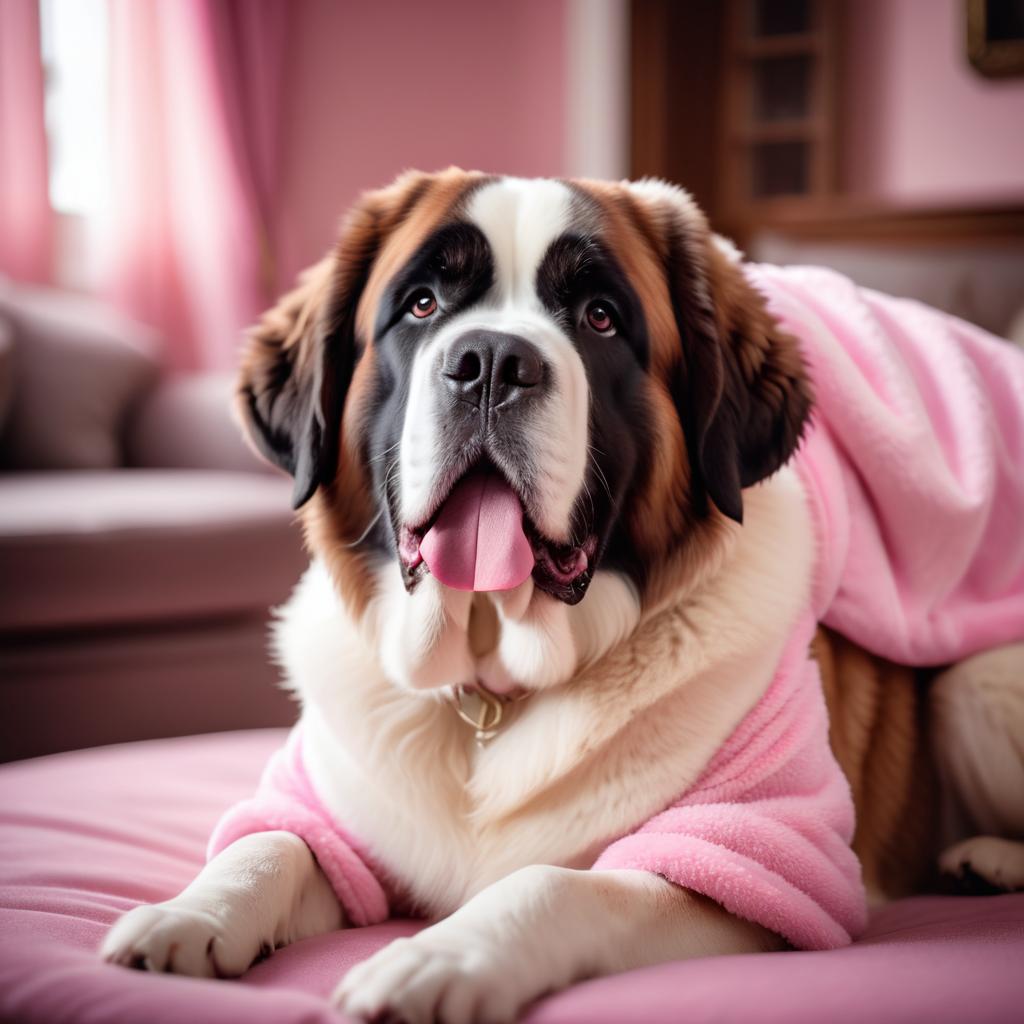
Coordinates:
(921, 125)
(374, 88)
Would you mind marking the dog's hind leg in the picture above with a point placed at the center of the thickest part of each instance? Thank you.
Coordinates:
(999, 863)
(978, 730)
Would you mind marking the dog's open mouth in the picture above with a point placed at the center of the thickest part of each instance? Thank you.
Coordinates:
(481, 539)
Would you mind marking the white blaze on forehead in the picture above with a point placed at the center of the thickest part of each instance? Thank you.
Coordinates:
(520, 219)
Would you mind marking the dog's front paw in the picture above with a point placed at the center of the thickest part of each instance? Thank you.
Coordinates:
(427, 978)
(180, 939)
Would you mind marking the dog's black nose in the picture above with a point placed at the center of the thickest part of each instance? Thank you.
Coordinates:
(491, 369)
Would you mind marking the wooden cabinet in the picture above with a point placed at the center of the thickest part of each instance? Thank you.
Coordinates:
(737, 100)
(778, 140)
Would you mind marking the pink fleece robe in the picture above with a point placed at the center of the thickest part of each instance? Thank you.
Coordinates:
(914, 468)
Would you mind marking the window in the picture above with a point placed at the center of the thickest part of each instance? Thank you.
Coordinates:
(74, 45)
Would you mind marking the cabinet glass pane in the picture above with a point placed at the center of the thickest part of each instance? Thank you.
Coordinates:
(781, 17)
(782, 88)
(779, 169)
(1004, 19)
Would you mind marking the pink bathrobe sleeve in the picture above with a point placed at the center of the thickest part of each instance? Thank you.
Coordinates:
(765, 831)
(286, 801)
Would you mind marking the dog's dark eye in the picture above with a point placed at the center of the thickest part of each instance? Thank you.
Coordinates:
(423, 304)
(600, 319)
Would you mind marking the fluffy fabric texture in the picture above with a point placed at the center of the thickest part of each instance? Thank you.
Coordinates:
(914, 465)
(765, 831)
(914, 468)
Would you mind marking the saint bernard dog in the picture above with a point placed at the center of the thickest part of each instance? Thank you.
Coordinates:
(542, 436)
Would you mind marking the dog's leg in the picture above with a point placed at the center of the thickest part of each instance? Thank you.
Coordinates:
(535, 931)
(262, 892)
(978, 723)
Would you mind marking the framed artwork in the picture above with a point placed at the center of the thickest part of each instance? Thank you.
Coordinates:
(995, 36)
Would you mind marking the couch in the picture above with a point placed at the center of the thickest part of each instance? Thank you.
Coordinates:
(141, 544)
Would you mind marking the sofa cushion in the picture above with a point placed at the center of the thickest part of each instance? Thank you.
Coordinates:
(124, 546)
(187, 421)
(77, 368)
(88, 835)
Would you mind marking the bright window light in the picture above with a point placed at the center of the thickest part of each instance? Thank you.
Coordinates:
(74, 44)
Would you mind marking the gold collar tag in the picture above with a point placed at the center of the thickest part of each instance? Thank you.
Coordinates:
(481, 710)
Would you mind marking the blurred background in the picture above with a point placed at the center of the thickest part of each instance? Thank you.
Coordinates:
(168, 166)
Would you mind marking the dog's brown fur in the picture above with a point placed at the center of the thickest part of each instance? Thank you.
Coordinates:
(880, 735)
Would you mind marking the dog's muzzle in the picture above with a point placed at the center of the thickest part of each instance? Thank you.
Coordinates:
(480, 535)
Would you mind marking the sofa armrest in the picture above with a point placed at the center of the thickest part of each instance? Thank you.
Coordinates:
(187, 422)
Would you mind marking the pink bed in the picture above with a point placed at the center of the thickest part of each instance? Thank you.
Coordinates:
(86, 835)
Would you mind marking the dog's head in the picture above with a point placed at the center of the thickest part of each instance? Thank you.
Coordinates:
(508, 386)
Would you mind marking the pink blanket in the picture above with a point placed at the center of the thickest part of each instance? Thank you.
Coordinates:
(914, 467)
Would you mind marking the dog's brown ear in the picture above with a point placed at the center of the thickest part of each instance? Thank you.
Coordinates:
(745, 387)
(283, 402)
(298, 360)
(740, 385)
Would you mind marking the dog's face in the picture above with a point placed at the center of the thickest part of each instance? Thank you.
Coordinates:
(507, 386)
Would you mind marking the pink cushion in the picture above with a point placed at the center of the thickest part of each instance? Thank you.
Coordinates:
(84, 836)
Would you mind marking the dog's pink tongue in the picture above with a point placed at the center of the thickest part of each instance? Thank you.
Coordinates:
(478, 541)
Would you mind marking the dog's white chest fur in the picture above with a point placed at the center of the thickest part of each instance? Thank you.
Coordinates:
(577, 765)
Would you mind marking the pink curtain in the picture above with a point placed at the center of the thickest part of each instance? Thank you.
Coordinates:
(26, 219)
(187, 239)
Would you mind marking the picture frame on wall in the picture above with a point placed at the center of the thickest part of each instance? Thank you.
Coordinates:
(995, 37)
